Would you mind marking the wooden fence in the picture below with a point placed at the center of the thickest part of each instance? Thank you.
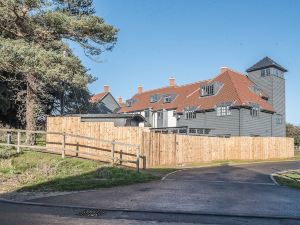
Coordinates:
(63, 146)
(166, 149)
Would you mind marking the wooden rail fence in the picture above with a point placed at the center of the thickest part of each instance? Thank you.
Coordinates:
(60, 147)
(167, 149)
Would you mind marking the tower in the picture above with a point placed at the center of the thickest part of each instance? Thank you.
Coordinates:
(269, 77)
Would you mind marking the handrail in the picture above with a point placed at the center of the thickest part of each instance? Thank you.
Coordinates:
(63, 144)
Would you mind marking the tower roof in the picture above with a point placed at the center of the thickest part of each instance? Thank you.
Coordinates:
(265, 63)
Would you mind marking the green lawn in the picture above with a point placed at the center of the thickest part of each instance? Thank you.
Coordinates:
(48, 172)
(290, 178)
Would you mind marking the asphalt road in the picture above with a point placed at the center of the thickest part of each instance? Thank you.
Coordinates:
(227, 190)
(234, 195)
(16, 214)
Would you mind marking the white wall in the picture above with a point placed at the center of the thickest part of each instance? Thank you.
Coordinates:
(154, 120)
(172, 121)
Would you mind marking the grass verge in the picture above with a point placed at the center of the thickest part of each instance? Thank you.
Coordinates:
(36, 171)
(290, 178)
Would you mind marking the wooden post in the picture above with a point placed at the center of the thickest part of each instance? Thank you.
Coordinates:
(8, 138)
(121, 156)
(138, 160)
(63, 143)
(77, 149)
(113, 153)
(19, 142)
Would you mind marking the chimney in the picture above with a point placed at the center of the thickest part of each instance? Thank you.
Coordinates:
(223, 69)
(172, 81)
(106, 88)
(140, 89)
(120, 100)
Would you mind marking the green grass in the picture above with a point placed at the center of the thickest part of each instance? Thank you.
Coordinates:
(290, 178)
(31, 171)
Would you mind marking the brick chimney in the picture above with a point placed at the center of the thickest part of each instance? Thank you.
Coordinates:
(223, 69)
(106, 88)
(140, 89)
(120, 100)
(172, 81)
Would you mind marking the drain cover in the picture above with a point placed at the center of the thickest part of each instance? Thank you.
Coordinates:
(91, 213)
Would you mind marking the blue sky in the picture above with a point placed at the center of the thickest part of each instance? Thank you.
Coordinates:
(192, 39)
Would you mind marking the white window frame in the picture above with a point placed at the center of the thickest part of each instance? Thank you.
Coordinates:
(223, 110)
(190, 114)
(167, 99)
(254, 111)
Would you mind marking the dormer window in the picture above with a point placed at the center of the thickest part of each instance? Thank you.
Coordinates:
(129, 102)
(168, 98)
(210, 89)
(154, 98)
(207, 90)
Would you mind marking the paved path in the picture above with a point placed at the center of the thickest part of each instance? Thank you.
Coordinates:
(225, 190)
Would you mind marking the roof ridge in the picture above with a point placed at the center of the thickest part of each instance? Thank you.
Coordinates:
(233, 84)
(176, 86)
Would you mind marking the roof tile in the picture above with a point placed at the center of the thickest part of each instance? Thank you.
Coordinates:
(236, 88)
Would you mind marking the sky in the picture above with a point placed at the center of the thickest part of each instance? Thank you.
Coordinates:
(191, 39)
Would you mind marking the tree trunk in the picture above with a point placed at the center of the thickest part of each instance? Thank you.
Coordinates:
(31, 106)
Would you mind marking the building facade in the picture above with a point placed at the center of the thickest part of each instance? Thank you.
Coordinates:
(230, 104)
(105, 102)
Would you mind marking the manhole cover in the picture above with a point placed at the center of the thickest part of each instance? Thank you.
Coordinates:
(91, 213)
(144, 189)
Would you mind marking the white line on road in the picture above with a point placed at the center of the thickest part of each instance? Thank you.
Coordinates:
(171, 174)
(222, 181)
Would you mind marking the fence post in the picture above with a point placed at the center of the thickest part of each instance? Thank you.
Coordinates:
(19, 142)
(113, 153)
(8, 138)
(77, 149)
(63, 143)
(121, 156)
(138, 159)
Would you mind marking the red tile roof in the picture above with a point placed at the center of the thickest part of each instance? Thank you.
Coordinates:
(236, 88)
(98, 97)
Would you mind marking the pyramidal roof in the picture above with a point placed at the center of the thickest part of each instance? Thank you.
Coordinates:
(265, 63)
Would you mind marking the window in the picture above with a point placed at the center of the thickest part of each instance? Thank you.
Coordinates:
(223, 110)
(206, 131)
(265, 72)
(189, 114)
(147, 113)
(129, 102)
(199, 131)
(279, 119)
(207, 90)
(160, 115)
(193, 131)
(154, 98)
(167, 99)
(254, 112)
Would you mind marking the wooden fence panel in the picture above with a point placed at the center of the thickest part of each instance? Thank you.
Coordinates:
(163, 149)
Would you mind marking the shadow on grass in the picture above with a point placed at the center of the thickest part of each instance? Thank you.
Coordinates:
(100, 178)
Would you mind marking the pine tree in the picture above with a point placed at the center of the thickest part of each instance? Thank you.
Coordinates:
(34, 37)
